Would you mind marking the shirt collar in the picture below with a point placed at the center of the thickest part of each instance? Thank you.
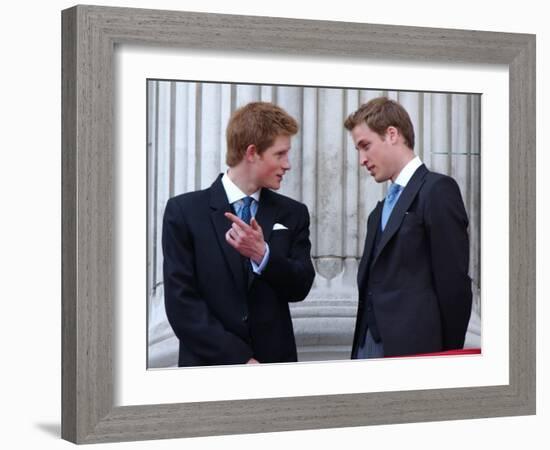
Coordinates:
(408, 171)
(233, 192)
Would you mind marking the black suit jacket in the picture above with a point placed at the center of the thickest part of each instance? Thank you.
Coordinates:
(220, 311)
(416, 277)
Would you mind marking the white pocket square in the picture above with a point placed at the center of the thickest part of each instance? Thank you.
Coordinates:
(279, 226)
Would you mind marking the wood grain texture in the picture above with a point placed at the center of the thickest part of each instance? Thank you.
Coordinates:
(68, 228)
(89, 209)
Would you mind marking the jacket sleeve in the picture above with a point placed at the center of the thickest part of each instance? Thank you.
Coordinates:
(291, 275)
(447, 229)
(196, 327)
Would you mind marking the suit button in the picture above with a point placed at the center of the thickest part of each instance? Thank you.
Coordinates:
(369, 308)
(369, 294)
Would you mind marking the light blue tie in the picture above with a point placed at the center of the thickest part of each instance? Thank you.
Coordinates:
(245, 211)
(389, 203)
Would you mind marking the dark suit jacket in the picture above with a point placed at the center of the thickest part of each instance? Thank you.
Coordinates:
(220, 311)
(416, 277)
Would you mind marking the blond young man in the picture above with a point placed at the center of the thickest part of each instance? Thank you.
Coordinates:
(414, 290)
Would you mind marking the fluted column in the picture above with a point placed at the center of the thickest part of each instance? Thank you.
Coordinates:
(309, 160)
(330, 192)
(291, 100)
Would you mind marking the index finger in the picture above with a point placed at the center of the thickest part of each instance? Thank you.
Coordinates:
(235, 219)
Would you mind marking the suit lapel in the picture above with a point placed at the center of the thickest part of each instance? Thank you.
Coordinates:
(219, 206)
(267, 213)
(265, 216)
(369, 242)
(401, 207)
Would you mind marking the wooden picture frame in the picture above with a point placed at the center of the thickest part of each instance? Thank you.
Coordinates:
(90, 34)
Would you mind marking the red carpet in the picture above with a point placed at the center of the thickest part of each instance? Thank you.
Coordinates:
(464, 351)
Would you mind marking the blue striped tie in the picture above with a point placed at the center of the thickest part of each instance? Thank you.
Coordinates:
(389, 203)
(245, 211)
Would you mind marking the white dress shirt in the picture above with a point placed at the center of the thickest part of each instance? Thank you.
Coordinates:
(235, 197)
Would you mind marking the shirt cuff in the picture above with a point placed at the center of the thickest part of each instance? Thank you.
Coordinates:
(257, 269)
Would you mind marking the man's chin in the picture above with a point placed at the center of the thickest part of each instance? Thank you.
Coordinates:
(273, 186)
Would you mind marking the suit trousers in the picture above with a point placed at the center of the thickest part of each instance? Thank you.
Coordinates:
(370, 348)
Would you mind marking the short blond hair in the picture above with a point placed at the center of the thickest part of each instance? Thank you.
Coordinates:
(381, 113)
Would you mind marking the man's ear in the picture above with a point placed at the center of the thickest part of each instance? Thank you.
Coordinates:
(392, 134)
(250, 153)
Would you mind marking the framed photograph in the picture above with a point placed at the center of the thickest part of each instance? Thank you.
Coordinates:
(186, 151)
(97, 371)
